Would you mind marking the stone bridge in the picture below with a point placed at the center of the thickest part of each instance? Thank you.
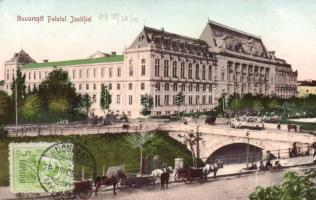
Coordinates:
(216, 137)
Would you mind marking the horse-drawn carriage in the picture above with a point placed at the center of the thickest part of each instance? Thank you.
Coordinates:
(81, 190)
(131, 182)
(188, 175)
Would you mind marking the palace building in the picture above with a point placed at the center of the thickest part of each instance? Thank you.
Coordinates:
(222, 61)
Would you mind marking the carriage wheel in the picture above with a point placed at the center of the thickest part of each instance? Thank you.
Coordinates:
(86, 194)
(187, 180)
(57, 195)
(68, 195)
(177, 177)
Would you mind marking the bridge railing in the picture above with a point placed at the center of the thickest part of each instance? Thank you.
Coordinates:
(76, 130)
(257, 156)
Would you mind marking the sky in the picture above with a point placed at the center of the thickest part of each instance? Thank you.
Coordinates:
(286, 26)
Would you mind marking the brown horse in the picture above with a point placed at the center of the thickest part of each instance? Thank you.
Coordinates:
(164, 177)
(291, 126)
(112, 179)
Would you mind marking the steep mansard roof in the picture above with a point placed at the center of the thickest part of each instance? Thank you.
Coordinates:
(167, 40)
(22, 58)
(222, 37)
(112, 58)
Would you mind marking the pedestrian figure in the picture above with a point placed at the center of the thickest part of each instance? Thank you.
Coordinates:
(279, 126)
(294, 152)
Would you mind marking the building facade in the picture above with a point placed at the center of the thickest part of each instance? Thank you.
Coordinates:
(222, 61)
(305, 88)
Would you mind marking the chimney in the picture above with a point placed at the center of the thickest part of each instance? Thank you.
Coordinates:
(45, 60)
(113, 53)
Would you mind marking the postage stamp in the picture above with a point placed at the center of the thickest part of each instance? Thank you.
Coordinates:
(49, 167)
(23, 159)
(40, 167)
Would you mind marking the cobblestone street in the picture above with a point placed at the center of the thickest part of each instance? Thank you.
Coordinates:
(232, 188)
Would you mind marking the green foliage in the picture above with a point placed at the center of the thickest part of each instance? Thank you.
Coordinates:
(105, 99)
(3, 132)
(4, 107)
(19, 88)
(31, 108)
(179, 99)
(257, 106)
(139, 140)
(59, 106)
(147, 102)
(108, 150)
(58, 86)
(293, 187)
(86, 103)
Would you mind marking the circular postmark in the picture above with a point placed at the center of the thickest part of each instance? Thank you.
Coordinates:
(62, 164)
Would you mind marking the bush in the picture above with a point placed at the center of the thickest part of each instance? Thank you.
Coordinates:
(3, 132)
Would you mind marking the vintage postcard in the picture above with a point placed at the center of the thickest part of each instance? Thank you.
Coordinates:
(158, 99)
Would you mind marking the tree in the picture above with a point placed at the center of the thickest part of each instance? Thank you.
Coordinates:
(86, 103)
(274, 105)
(4, 107)
(31, 108)
(105, 99)
(18, 88)
(147, 104)
(257, 105)
(58, 86)
(138, 141)
(179, 99)
(293, 187)
(59, 106)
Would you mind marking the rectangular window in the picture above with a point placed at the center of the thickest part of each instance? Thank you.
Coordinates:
(210, 72)
(175, 87)
(94, 73)
(73, 74)
(174, 69)
(157, 67)
(166, 86)
(197, 87)
(197, 72)
(166, 68)
(102, 72)
(80, 86)
(223, 76)
(118, 99)
(190, 100)
(118, 86)
(87, 86)
(182, 70)
(40, 75)
(130, 86)
(190, 71)
(119, 72)
(80, 73)
(110, 72)
(197, 99)
(157, 100)
(87, 73)
(166, 100)
(203, 72)
(143, 67)
(94, 86)
(110, 86)
(131, 71)
(142, 86)
(34, 75)
(130, 99)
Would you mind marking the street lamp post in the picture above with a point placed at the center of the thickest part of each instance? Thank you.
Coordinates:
(247, 135)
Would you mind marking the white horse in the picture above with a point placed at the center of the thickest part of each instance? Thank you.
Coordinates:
(212, 167)
(156, 173)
